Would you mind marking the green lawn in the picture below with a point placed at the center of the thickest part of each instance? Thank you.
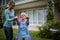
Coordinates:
(32, 33)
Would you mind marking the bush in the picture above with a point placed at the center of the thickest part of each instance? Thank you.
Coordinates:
(1, 25)
(1, 22)
(46, 33)
(2, 19)
(50, 9)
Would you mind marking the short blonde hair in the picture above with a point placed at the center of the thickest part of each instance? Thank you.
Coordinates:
(23, 13)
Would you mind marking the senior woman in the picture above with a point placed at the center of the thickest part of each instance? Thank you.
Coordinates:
(9, 16)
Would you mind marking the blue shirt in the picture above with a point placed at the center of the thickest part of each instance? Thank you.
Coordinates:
(9, 16)
(23, 30)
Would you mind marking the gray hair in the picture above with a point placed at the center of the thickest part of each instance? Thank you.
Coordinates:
(23, 13)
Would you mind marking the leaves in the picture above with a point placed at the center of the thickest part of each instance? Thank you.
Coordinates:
(50, 11)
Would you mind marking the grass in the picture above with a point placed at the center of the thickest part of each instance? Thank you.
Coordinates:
(32, 33)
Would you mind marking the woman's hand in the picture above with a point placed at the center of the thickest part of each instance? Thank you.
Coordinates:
(16, 17)
(27, 17)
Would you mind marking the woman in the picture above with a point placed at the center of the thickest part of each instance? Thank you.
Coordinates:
(23, 33)
(9, 16)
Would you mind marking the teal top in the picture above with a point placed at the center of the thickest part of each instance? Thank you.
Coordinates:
(9, 16)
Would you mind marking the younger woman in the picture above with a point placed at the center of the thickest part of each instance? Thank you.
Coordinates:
(9, 18)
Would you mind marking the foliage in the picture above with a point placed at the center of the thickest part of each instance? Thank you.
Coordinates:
(1, 17)
(50, 10)
(1, 25)
(46, 33)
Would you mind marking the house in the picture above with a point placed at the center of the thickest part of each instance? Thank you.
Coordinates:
(35, 9)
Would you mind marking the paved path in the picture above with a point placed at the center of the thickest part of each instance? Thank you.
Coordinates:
(29, 28)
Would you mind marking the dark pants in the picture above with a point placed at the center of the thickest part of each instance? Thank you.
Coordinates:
(8, 32)
(23, 38)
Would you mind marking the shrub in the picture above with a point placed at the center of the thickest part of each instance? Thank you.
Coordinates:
(46, 33)
(50, 9)
(1, 25)
(2, 21)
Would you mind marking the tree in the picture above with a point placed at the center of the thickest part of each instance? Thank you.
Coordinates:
(50, 10)
(1, 17)
(57, 9)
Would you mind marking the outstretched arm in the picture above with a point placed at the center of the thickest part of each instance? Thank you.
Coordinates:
(27, 20)
(17, 19)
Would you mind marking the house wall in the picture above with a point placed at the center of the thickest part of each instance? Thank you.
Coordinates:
(37, 15)
(31, 4)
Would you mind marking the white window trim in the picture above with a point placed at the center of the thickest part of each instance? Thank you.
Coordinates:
(32, 16)
(43, 16)
(37, 16)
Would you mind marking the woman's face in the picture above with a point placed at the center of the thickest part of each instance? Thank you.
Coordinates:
(12, 5)
(23, 16)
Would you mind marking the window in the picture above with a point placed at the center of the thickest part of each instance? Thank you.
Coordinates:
(0, 2)
(35, 16)
(3, 2)
(7, 1)
(45, 14)
(29, 13)
(40, 16)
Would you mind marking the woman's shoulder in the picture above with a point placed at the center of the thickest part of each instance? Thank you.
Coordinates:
(6, 10)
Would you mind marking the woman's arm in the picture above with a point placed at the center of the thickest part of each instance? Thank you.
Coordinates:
(27, 20)
(17, 20)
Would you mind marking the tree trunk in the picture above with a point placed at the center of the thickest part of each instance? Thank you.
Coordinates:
(56, 9)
